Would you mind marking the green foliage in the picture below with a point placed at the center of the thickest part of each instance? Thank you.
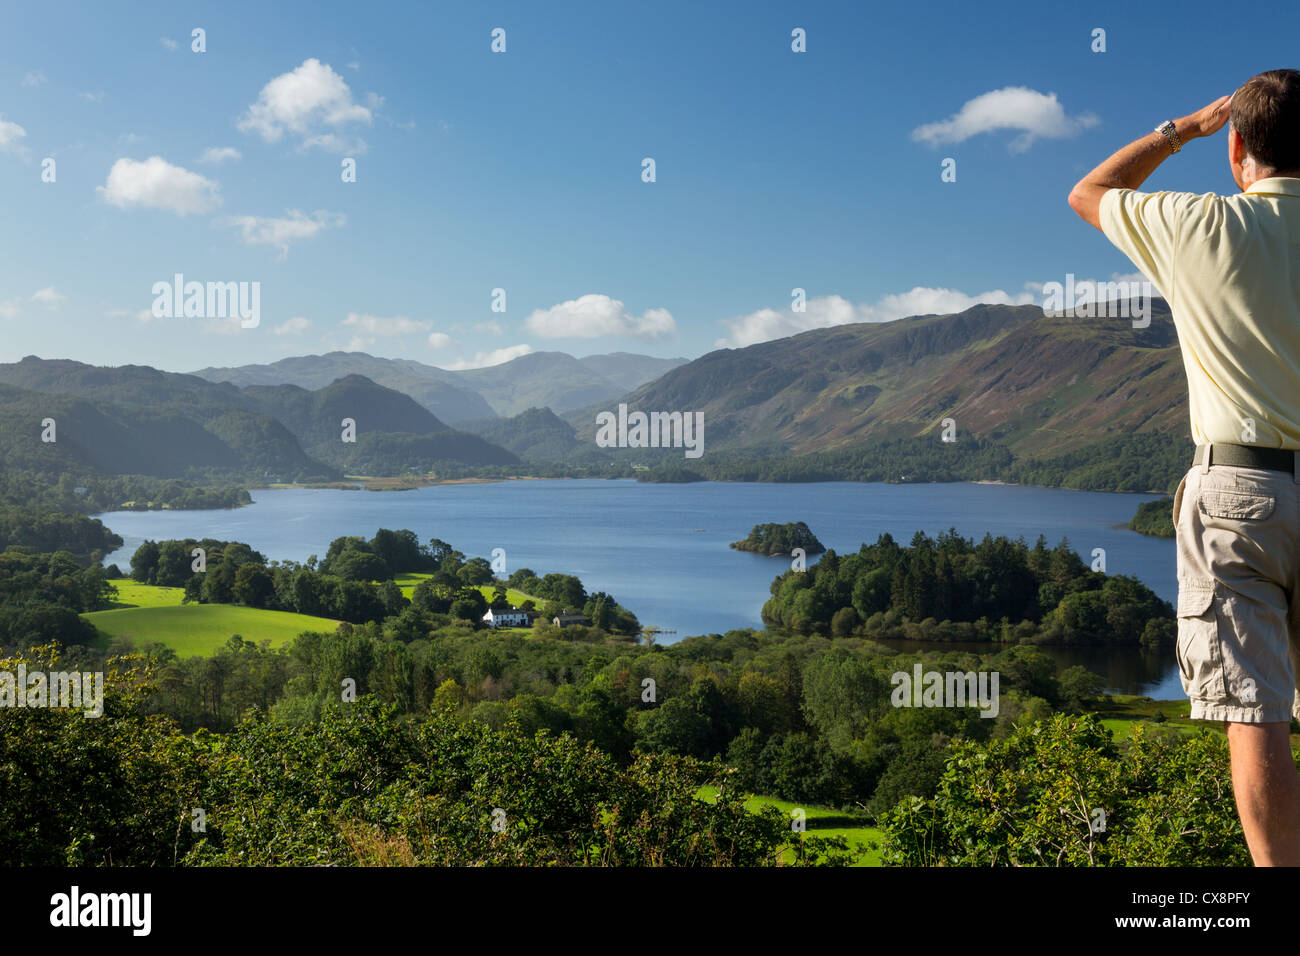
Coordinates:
(1155, 518)
(951, 589)
(1032, 799)
(780, 539)
(50, 531)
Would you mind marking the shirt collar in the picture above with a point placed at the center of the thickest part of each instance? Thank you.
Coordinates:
(1276, 186)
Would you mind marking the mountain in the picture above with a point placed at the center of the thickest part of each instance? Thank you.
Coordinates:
(437, 390)
(628, 371)
(317, 416)
(394, 433)
(139, 420)
(552, 380)
(537, 435)
(1039, 385)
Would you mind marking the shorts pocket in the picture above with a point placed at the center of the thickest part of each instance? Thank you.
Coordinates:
(1236, 504)
(1200, 662)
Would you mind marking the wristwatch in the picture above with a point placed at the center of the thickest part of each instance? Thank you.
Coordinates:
(1171, 134)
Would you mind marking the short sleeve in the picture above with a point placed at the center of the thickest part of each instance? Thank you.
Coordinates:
(1144, 226)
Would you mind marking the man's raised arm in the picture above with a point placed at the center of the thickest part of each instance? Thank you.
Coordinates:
(1130, 167)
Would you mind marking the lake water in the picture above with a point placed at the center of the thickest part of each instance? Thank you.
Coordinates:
(662, 549)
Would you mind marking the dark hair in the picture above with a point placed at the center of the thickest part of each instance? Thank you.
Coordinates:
(1266, 113)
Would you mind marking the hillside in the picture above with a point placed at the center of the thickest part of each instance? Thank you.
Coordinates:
(165, 440)
(138, 420)
(537, 434)
(629, 371)
(437, 390)
(552, 380)
(394, 433)
(1037, 385)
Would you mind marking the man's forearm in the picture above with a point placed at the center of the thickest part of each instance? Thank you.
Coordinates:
(1128, 168)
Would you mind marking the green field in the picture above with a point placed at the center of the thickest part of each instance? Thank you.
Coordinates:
(133, 594)
(147, 614)
(198, 629)
(1121, 712)
(863, 839)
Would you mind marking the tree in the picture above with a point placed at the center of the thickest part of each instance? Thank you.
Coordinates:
(470, 605)
(253, 586)
(392, 598)
(474, 572)
(144, 563)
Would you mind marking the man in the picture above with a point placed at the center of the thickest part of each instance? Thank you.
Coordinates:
(1230, 270)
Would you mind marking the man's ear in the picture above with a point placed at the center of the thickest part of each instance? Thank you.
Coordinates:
(1236, 156)
(1236, 147)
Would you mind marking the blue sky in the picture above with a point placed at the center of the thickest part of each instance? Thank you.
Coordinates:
(522, 170)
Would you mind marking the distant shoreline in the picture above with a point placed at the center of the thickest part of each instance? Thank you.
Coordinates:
(385, 484)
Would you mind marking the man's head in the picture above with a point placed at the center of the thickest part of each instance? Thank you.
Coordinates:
(1264, 127)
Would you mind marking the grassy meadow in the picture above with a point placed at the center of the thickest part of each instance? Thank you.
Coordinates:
(821, 821)
(148, 614)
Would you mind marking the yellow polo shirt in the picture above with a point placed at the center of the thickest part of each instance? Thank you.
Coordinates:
(1229, 266)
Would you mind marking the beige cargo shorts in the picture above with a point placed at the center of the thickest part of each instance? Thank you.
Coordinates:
(1238, 538)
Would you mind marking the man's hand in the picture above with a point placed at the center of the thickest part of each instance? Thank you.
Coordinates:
(1130, 167)
(1208, 120)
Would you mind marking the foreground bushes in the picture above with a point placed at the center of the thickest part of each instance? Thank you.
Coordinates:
(363, 784)
(1060, 792)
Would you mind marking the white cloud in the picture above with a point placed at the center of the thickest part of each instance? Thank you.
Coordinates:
(294, 326)
(593, 315)
(49, 297)
(358, 344)
(157, 184)
(33, 78)
(169, 43)
(375, 325)
(440, 340)
(10, 135)
(96, 97)
(494, 357)
(831, 310)
(279, 232)
(312, 102)
(1118, 286)
(219, 154)
(1036, 115)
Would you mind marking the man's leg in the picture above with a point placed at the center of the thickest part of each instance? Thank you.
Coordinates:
(1267, 787)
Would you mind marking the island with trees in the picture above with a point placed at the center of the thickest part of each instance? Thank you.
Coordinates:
(772, 539)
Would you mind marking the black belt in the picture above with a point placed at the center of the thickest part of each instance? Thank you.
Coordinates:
(1247, 456)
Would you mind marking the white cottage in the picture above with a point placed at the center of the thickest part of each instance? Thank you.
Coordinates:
(510, 617)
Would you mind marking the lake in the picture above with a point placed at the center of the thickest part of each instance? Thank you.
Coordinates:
(662, 549)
